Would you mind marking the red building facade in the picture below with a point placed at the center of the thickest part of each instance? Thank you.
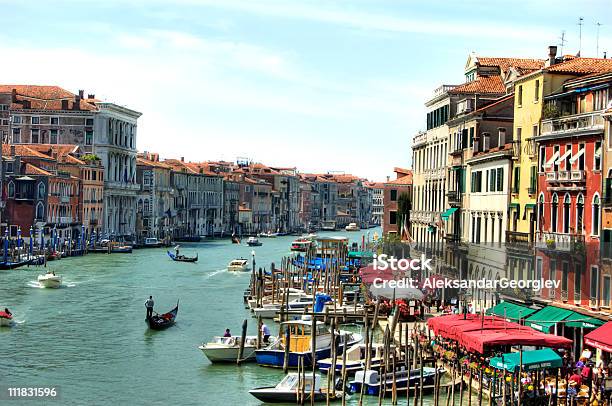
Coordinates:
(569, 203)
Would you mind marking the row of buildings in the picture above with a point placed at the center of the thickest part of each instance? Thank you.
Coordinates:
(70, 163)
(512, 178)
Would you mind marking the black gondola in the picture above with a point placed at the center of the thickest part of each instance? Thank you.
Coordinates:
(162, 321)
(182, 258)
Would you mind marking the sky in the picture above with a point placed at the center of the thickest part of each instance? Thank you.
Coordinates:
(325, 86)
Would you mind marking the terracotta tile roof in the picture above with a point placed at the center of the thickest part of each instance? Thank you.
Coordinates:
(582, 66)
(482, 84)
(179, 166)
(154, 164)
(201, 168)
(22, 150)
(61, 152)
(35, 170)
(375, 185)
(604, 76)
(522, 64)
(44, 97)
(404, 180)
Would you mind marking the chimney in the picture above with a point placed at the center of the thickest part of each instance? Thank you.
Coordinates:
(486, 141)
(501, 137)
(477, 143)
(552, 55)
(14, 93)
(77, 101)
(388, 177)
(64, 104)
(182, 159)
(91, 96)
(605, 55)
(81, 93)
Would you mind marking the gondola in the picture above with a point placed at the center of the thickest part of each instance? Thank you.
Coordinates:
(235, 240)
(182, 258)
(162, 321)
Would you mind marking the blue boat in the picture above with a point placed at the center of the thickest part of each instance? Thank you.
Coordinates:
(374, 381)
(300, 340)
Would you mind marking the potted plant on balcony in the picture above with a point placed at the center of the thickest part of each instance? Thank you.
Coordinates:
(578, 248)
(551, 243)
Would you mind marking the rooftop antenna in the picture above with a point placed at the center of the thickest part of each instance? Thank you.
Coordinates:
(580, 22)
(562, 42)
(598, 24)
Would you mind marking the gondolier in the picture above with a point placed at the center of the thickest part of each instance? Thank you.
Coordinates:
(149, 305)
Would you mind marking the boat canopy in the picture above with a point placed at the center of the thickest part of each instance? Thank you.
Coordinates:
(531, 360)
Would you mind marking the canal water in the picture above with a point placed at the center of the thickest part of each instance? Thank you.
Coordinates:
(89, 338)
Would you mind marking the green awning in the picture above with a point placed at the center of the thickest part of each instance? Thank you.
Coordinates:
(580, 320)
(448, 213)
(546, 318)
(530, 206)
(532, 360)
(514, 205)
(510, 311)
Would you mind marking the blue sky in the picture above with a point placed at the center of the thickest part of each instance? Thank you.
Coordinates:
(321, 85)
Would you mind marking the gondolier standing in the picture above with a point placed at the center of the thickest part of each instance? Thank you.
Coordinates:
(149, 305)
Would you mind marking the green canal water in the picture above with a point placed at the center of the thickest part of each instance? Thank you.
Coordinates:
(89, 338)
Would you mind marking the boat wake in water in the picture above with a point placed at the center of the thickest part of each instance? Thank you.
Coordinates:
(38, 285)
(215, 272)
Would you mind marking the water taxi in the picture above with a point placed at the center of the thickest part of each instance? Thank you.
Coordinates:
(253, 242)
(352, 227)
(152, 242)
(226, 349)
(373, 381)
(238, 265)
(50, 280)
(289, 387)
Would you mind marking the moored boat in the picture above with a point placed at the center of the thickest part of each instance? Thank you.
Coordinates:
(162, 321)
(356, 359)
(238, 265)
(152, 242)
(288, 388)
(301, 244)
(226, 349)
(121, 249)
(253, 242)
(6, 319)
(300, 340)
(50, 280)
(373, 381)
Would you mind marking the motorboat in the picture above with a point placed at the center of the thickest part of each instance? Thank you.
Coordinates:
(6, 319)
(238, 265)
(121, 249)
(374, 381)
(267, 235)
(300, 341)
(269, 310)
(253, 242)
(293, 293)
(301, 244)
(352, 227)
(50, 280)
(162, 321)
(289, 388)
(356, 358)
(226, 349)
(152, 242)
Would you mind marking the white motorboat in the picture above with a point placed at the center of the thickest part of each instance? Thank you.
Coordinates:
(152, 242)
(356, 358)
(253, 242)
(267, 235)
(352, 227)
(50, 280)
(287, 390)
(6, 319)
(269, 310)
(238, 265)
(226, 349)
(294, 294)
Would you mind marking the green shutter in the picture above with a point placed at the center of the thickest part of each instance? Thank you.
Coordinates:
(500, 179)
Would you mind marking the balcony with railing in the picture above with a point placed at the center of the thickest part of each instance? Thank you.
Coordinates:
(454, 197)
(572, 125)
(560, 242)
(519, 241)
(516, 149)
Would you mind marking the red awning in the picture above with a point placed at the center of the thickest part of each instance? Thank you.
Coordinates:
(475, 334)
(600, 338)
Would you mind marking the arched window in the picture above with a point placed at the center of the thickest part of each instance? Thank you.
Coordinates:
(41, 190)
(541, 211)
(567, 201)
(596, 214)
(580, 214)
(554, 206)
(40, 211)
(11, 189)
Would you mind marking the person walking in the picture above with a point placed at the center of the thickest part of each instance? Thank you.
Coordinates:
(149, 305)
(265, 331)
